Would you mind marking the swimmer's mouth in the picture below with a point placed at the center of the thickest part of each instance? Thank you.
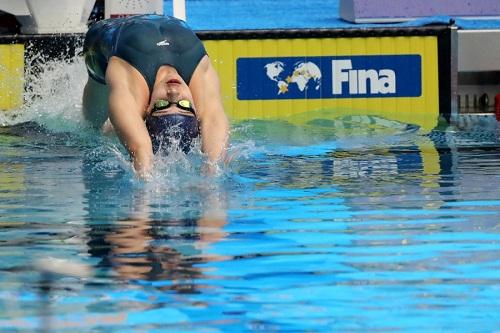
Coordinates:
(173, 81)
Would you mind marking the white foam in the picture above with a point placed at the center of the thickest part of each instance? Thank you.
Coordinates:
(52, 96)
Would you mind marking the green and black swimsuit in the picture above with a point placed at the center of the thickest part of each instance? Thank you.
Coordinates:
(146, 42)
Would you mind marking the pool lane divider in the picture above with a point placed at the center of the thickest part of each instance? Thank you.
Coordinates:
(401, 74)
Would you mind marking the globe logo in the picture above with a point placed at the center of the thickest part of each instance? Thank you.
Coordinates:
(303, 75)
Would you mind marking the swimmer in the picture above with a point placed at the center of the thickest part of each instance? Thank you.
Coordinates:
(149, 74)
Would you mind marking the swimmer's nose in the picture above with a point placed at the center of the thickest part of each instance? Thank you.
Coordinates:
(172, 94)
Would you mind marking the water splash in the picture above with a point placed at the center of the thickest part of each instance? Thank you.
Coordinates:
(53, 93)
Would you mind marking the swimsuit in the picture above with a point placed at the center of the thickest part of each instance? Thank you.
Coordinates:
(146, 42)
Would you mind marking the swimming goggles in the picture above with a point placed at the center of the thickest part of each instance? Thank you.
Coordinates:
(183, 104)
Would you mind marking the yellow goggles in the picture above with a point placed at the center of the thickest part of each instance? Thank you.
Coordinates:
(183, 104)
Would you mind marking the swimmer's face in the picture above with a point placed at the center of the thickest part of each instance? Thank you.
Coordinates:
(172, 88)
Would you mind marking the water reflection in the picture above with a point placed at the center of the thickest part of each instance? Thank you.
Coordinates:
(158, 231)
(296, 238)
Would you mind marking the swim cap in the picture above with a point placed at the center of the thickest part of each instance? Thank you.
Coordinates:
(164, 130)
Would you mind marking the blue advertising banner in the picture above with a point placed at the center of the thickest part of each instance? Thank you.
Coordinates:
(329, 77)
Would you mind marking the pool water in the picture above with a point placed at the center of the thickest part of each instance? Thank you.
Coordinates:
(260, 14)
(356, 225)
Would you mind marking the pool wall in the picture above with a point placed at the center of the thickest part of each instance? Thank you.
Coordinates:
(22, 58)
(401, 74)
(302, 75)
(11, 75)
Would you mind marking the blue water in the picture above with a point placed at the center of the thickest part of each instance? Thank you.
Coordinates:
(356, 225)
(281, 14)
(363, 228)
(262, 14)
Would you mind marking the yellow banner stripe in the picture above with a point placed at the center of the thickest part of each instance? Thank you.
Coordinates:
(11, 76)
(422, 110)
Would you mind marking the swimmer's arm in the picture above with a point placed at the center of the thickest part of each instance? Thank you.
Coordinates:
(215, 133)
(205, 87)
(127, 105)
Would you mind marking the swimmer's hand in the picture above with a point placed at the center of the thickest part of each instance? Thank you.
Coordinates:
(215, 168)
(229, 156)
(210, 169)
(143, 168)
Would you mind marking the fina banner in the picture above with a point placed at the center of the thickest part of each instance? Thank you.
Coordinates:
(329, 77)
